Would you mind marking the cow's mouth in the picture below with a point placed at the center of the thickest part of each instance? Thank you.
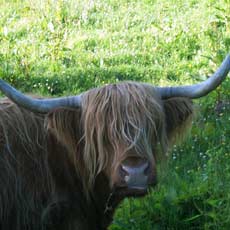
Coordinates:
(131, 191)
(119, 193)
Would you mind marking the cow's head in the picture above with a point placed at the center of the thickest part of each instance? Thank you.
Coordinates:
(123, 123)
(121, 128)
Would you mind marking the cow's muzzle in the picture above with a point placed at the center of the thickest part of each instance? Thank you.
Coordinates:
(136, 175)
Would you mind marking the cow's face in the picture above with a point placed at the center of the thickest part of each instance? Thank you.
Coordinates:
(117, 134)
(131, 167)
(123, 124)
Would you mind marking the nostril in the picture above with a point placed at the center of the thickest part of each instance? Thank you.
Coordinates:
(147, 169)
(123, 176)
(123, 171)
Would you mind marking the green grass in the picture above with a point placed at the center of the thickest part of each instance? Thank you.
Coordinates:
(65, 47)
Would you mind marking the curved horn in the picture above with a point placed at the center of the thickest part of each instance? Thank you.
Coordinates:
(200, 89)
(38, 105)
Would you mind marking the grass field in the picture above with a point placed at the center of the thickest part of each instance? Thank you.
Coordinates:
(55, 47)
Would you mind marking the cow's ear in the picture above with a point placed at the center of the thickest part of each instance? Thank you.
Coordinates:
(65, 125)
(178, 114)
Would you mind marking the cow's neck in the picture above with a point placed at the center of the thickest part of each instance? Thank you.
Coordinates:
(105, 202)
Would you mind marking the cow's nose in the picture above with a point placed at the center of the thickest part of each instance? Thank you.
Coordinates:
(135, 174)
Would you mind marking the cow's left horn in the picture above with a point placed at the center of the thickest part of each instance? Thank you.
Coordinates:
(200, 89)
(38, 105)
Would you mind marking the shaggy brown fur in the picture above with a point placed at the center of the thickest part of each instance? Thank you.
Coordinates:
(56, 170)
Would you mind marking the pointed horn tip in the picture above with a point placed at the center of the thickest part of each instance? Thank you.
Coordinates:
(224, 67)
(227, 59)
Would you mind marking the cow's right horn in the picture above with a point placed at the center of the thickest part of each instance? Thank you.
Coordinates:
(38, 105)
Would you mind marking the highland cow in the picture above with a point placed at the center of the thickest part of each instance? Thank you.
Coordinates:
(66, 163)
